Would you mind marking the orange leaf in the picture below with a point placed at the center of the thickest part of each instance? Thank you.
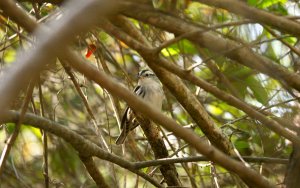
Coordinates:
(91, 49)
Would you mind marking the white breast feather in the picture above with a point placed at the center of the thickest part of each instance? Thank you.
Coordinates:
(154, 93)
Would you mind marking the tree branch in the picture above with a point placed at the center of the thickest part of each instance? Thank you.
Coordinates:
(93, 171)
(160, 151)
(81, 144)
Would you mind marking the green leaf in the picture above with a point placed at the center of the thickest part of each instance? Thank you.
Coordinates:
(35, 131)
(183, 46)
(10, 55)
(170, 51)
(241, 144)
(252, 2)
(187, 47)
(258, 90)
(270, 53)
(264, 3)
(237, 71)
(194, 10)
(278, 9)
(10, 127)
(267, 3)
(291, 40)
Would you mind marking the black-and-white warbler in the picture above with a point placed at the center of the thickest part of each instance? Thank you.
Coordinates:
(148, 88)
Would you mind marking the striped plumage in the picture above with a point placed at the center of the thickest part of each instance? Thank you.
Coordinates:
(148, 88)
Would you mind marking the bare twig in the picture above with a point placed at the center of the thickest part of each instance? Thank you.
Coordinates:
(197, 32)
(13, 137)
(44, 139)
(250, 159)
(263, 109)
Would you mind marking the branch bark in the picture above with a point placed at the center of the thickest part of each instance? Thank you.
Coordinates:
(292, 178)
(94, 172)
(160, 151)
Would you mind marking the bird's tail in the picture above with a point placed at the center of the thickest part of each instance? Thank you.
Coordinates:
(122, 137)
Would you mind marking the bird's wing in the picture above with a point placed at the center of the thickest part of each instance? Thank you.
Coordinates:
(128, 116)
(139, 91)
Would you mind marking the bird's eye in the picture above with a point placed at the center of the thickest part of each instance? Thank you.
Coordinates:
(147, 75)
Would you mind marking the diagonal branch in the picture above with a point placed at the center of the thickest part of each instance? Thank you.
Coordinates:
(93, 171)
(160, 151)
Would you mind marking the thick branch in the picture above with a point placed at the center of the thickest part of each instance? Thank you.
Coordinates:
(160, 151)
(292, 178)
(94, 172)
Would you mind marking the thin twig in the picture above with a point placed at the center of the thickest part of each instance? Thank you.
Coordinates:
(44, 138)
(85, 102)
(157, 162)
(254, 43)
(14, 135)
(260, 110)
(197, 32)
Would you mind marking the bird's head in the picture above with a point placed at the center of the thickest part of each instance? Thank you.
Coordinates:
(146, 73)
(146, 77)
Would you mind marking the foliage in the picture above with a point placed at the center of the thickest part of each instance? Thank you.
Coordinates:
(63, 104)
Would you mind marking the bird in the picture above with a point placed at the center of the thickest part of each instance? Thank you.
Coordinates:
(150, 90)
